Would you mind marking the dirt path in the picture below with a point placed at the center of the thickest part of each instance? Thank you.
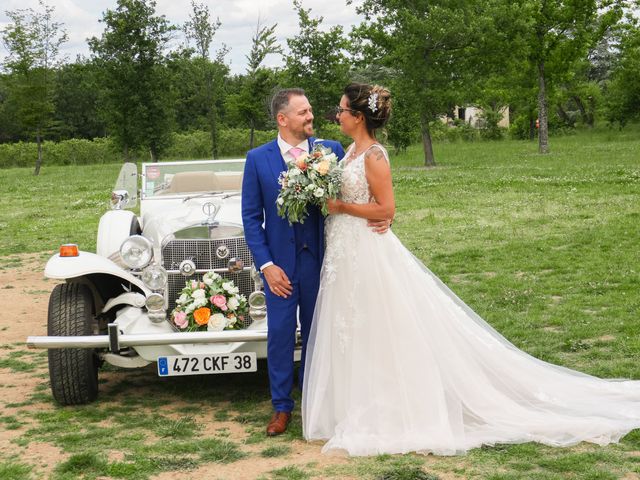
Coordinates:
(24, 295)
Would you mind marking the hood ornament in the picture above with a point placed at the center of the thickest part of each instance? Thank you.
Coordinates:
(210, 210)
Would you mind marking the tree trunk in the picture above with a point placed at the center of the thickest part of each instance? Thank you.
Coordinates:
(39, 160)
(532, 126)
(427, 145)
(214, 131)
(211, 114)
(586, 116)
(543, 130)
(251, 134)
(125, 152)
(563, 115)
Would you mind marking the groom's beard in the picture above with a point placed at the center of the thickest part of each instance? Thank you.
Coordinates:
(307, 130)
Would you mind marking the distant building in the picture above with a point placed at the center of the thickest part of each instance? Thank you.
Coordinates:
(472, 116)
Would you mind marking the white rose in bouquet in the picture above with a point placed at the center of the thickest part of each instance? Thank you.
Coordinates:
(182, 299)
(198, 294)
(217, 322)
(233, 303)
(230, 288)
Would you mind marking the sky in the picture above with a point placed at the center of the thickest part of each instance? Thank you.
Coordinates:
(239, 19)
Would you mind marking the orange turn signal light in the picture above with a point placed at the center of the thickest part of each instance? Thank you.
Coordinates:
(69, 250)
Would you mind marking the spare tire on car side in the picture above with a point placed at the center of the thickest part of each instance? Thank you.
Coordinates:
(73, 371)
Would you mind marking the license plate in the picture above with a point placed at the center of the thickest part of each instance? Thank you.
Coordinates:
(203, 364)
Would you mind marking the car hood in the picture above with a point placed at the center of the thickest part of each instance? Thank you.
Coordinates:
(168, 219)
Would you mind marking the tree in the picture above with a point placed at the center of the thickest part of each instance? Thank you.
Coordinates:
(250, 104)
(33, 41)
(623, 89)
(430, 47)
(209, 76)
(137, 95)
(560, 34)
(317, 63)
(76, 96)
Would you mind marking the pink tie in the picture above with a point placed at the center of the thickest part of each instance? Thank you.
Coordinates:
(295, 152)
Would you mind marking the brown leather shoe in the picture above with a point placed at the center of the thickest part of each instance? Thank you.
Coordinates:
(278, 423)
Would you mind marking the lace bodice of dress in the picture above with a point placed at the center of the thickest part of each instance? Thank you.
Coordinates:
(342, 231)
(355, 188)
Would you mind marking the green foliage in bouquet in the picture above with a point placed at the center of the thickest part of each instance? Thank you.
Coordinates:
(311, 179)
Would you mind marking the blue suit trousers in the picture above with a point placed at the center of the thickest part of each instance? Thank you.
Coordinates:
(282, 323)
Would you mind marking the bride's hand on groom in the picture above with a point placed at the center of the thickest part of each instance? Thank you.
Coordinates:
(334, 205)
(379, 226)
(277, 281)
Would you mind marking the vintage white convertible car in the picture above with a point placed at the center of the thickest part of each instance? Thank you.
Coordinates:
(115, 304)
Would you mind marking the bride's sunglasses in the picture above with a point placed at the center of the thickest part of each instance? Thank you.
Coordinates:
(340, 110)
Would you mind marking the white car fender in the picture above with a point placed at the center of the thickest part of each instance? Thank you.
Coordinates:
(114, 228)
(86, 263)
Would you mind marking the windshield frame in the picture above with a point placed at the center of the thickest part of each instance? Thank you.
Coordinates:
(144, 182)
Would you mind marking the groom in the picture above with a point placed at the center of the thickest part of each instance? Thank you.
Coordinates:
(289, 257)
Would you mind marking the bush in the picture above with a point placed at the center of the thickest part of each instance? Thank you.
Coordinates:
(331, 131)
(458, 131)
(488, 122)
(234, 142)
(68, 152)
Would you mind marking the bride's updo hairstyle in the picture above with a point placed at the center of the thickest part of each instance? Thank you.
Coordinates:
(373, 101)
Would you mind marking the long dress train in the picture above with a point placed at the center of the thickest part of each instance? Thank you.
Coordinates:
(397, 363)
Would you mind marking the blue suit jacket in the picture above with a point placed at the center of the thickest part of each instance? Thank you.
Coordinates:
(269, 236)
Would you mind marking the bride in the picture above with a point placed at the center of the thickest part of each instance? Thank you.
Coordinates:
(397, 363)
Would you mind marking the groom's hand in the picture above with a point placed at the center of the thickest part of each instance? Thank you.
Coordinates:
(379, 226)
(277, 280)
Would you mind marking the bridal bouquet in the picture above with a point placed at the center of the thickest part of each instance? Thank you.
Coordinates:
(311, 179)
(212, 304)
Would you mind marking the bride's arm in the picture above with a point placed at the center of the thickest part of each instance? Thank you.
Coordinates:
(378, 174)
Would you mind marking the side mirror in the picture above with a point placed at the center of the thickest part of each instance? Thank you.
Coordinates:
(119, 199)
(125, 192)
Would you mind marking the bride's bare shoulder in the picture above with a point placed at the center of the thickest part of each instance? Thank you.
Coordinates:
(376, 153)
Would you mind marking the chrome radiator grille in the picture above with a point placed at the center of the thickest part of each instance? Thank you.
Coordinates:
(203, 254)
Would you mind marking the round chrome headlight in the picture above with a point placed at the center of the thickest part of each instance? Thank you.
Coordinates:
(257, 306)
(257, 300)
(155, 277)
(155, 302)
(136, 251)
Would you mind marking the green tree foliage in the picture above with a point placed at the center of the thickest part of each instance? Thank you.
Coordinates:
(560, 35)
(251, 104)
(76, 97)
(624, 87)
(136, 101)
(430, 46)
(33, 40)
(206, 77)
(317, 62)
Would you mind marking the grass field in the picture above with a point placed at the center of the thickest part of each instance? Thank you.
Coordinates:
(545, 248)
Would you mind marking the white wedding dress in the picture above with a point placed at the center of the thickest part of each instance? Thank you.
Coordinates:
(397, 363)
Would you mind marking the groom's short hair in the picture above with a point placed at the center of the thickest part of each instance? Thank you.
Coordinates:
(280, 99)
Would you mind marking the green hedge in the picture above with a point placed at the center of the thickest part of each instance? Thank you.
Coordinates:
(68, 152)
(234, 142)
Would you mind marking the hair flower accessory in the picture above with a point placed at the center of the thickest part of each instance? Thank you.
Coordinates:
(373, 102)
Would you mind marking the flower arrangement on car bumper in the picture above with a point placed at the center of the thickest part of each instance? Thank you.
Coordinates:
(213, 304)
(311, 179)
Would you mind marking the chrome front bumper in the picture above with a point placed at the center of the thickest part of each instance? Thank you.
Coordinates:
(114, 341)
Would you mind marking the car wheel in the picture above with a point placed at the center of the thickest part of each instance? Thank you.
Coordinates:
(73, 371)
(135, 229)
